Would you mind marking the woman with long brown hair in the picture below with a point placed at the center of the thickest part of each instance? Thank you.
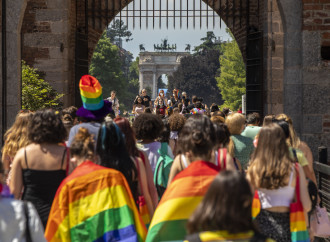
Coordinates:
(300, 147)
(272, 173)
(15, 138)
(141, 158)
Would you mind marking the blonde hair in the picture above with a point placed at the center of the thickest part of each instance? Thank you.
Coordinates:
(293, 140)
(217, 119)
(16, 136)
(270, 161)
(235, 122)
(268, 119)
(83, 145)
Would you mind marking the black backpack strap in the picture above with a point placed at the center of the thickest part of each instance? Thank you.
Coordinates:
(193, 237)
(27, 227)
(295, 155)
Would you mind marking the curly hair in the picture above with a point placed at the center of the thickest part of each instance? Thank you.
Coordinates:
(147, 126)
(176, 122)
(46, 127)
(197, 135)
(83, 145)
(70, 111)
(17, 136)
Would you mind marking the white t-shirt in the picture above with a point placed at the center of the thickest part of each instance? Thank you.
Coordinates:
(151, 150)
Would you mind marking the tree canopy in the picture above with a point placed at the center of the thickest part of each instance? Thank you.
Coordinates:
(117, 31)
(37, 93)
(106, 66)
(231, 80)
(196, 75)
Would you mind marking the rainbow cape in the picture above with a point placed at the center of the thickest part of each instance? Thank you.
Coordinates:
(94, 203)
(180, 200)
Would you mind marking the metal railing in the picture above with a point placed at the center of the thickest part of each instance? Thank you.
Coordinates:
(322, 172)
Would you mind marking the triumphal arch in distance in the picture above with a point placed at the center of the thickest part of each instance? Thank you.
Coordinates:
(154, 64)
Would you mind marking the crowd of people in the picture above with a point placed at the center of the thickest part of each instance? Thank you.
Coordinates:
(180, 171)
(165, 106)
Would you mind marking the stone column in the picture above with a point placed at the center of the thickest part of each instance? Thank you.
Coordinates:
(141, 81)
(293, 88)
(154, 85)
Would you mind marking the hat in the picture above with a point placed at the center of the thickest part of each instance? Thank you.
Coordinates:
(94, 107)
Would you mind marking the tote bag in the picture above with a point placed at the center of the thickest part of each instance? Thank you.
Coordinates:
(319, 222)
(298, 226)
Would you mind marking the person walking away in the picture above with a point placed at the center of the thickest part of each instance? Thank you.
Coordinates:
(94, 108)
(252, 125)
(275, 177)
(295, 142)
(184, 193)
(225, 212)
(242, 146)
(90, 203)
(41, 166)
(16, 137)
(176, 123)
(147, 128)
(139, 156)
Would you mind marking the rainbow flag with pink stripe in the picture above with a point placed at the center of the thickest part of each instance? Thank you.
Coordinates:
(94, 203)
(180, 200)
(91, 93)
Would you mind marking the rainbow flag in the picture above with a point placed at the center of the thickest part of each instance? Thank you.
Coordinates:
(298, 228)
(180, 200)
(94, 203)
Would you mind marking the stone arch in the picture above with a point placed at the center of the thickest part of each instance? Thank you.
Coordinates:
(14, 18)
(154, 64)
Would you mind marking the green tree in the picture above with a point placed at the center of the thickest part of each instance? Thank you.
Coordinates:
(117, 31)
(209, 43)
(196, 75)
(231, 81)
(37, 93)
(106, 66)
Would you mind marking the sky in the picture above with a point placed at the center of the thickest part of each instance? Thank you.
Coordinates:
(149, 36)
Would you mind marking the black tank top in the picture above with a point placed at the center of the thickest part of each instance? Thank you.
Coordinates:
(40, 187)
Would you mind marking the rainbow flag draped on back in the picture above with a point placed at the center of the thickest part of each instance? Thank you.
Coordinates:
(94, 203)
(180, 200)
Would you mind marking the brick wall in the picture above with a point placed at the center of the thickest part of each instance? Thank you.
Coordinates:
(316, 17)
(316, 69)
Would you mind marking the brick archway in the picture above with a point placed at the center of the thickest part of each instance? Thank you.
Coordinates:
(11, 76)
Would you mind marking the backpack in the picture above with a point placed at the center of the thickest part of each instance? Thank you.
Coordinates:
(162, 171)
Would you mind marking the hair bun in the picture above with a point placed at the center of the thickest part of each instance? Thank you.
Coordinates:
(83, 134)
(197, 136)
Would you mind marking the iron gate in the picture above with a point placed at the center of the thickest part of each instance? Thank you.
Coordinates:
(98, 11)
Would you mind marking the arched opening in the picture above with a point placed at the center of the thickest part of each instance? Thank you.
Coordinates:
(237, 26)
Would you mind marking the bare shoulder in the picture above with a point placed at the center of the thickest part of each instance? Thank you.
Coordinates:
(304, 147)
